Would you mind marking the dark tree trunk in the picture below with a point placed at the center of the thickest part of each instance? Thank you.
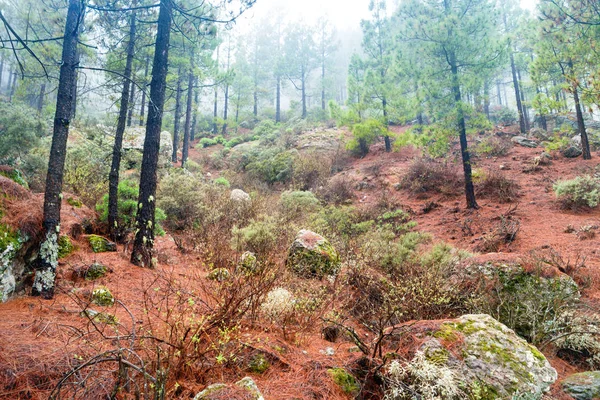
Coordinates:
(237, 110)
(499, 93)
(585, 144)
(47, 261)
(525, 112)
(113, 177)
(13, 86)
(255, 97)
(216, 110)
(323, 81)
(188, 117)
(226, 102)
(304, 110)
(145, 221)
(145, 86)
(386, 138)
(513, 68)
(195, 119)
(40, 104)
(543, 122)
(74, 104)
(177, 122)
(131, 103)
(462, 130)
(486, 99)
(278, 100)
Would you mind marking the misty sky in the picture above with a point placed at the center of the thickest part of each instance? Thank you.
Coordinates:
(343, 13)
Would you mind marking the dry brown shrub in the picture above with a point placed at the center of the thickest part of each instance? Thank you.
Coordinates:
(497, 186)
(337, 190)
(311, 170)
(426, 175)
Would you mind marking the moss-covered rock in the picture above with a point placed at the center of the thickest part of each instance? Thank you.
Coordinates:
(65, 246)
(95, 271)
(312, 256)
(259, 363)
(250, 386)
(219, 274)
(100, 244)
(490, 357)
(248, 263)
(247, 387)
(583, 386)
(344, 380)
(74, 202)
(103, 297)
(210, 390)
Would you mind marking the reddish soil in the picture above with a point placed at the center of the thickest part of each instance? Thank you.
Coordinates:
(39, 340)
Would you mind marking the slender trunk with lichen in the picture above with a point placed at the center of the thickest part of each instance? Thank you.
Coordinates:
(47, 261)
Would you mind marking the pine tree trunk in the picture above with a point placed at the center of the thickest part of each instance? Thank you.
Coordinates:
(142, 111)
(278, 100)
(255, 97)
(177, 122)
(585, 144)
(226, 109)
(13, 86)
(525, 111)
(1, 72)
(304, 110)
(499, 93)
(386, 138)
(131, 103)
(42, 95)
(47, 261)
(513, 68)
(216, 110)
(323, 82)
(145, 219)
(486, 99)
(74, 104)
(188, 117)
(195, 118)
(113, 177)
(462, 130)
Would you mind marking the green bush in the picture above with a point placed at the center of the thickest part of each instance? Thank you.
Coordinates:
(128, 193)
(86, 168)
(578, 193)
(260, 236)
(180, 196)
(298, 203)
(220, 181)
(364, 135)
(272, 166)
(20, 131)
(207, 142)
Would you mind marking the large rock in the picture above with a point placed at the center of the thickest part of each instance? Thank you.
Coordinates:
(572, 152)
(246, 385)
(523, 141)
(583, 386)
(133, 139)
(539, 134)
(312, 256)
(484, 353)
(240, 196)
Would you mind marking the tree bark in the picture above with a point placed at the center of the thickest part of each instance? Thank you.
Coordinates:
(42, 95)
(113, 177)
(74, 104)
(486, 99)
(278, 100)
(145, 221)
(462, 130)
(304, 110)
(1, 72)
(144, 91)
(13, 86)
(195, 118)
(188, 116)
(177, 122)
(513, 68)
(226, 105)
(523, 105)
(499, 93)
(585, 144)
(131, 103)
(47, 261)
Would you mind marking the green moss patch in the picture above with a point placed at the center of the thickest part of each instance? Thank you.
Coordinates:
(344, 380)
(65, 246)
(100, 244)
(103, 297)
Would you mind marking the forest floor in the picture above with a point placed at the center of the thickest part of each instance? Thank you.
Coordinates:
(41, 339)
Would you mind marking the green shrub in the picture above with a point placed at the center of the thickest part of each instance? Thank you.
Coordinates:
(20, 131)
(364, 135)
(578, 193)
(260, 236)
(266, 127)
(221, 181)
(504, 116)
(207, 142)
(298, 203)
(86, 168)
(128, 193)
(180, 196)
(558, 143)
(272, 166)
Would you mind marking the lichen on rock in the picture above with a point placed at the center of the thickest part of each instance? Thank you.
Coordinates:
(312, 256)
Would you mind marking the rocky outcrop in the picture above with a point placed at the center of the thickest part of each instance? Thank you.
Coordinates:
(486, 355)
(133, 139)
(239, 196)
(583, 386)
(246, 385)
(312, 256)
(523, 141)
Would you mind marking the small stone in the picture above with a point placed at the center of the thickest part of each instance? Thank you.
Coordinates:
(583, 386)
(572, 152)
(329, 351)
(239, 195)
